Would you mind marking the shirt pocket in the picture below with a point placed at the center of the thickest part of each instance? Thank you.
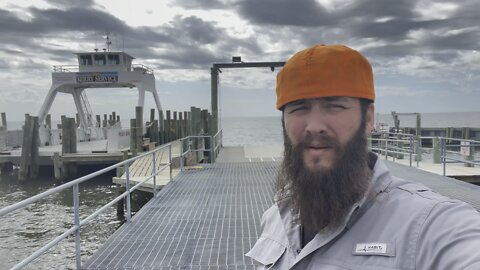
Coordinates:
(266, 251)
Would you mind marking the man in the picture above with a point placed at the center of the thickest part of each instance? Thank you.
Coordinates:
(337, 206)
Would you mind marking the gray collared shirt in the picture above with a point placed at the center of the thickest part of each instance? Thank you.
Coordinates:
(405, 226)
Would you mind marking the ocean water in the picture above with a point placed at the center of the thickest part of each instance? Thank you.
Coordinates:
(268, 130)
(253, 128)
(24, 231)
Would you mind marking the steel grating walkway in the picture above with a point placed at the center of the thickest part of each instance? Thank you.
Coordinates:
(208, 218)
(205, 219)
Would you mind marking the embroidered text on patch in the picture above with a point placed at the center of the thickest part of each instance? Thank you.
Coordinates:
(371, 248)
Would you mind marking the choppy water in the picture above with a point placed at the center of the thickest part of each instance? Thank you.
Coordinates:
(24, 231)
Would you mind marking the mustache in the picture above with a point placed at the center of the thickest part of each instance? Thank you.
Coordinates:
(322, 139)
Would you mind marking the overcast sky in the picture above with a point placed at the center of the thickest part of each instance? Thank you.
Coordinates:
(425, 54)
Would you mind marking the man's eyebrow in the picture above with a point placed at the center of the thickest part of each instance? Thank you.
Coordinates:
(336, 98)
(297, 102)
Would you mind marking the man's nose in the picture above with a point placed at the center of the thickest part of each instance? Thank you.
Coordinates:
(316, 122)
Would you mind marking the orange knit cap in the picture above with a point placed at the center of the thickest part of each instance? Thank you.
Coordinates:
(323, 71)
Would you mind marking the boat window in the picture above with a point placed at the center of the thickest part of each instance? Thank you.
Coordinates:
(113, 59)
(85, 60)
(100, 60)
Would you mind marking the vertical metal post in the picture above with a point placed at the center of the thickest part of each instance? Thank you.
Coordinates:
(170, 159)
(212, 146)
(394, 156)
(76, 222)
(181, 154)
(386, 146)
(443, 151)
(411, 150)
(127, 186)
(154, 172)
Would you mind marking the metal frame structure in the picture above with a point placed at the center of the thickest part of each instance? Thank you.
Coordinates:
(216, 70)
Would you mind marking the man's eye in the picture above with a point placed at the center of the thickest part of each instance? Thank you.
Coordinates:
(335, 106)
(298, 109)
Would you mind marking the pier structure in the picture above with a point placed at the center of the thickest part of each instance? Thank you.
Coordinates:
(209, 218)
(97, 69)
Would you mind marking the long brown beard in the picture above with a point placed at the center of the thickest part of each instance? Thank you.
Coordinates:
(323, 198)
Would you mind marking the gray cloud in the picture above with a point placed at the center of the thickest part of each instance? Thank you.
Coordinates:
(285, 12)
(71, 3)
(195, 4)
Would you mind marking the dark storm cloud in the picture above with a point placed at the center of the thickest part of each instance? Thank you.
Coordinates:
(185, 38)
(285, 12)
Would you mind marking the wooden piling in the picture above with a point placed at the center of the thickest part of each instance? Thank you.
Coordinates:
(57, 166)
(152, 115)
(168, 128)
(175, 126)
(133, 137)
(69, 145)
(139, 126)
(99, 121)
(31, 141)
(48, 121)
(161, 129)
(4, 122)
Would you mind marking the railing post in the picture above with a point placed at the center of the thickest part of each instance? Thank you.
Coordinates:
(386, 145)
(127, 186)
(444, 152)
(170, 159)
(76, 222)
(436, 150)
(411, 150)
(181, 154)
(154, 171)
(212, 146)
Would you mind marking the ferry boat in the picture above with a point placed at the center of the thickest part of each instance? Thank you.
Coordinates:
(96, 69)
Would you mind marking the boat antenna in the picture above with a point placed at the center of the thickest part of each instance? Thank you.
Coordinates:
(108, 42)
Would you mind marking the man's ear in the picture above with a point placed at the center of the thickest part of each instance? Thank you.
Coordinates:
(370, 125)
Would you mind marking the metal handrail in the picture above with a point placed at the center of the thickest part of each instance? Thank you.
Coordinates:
(415, 149)
(65, 68)
(214, 145)
(444, 152)
(78, 223)
(391, 149)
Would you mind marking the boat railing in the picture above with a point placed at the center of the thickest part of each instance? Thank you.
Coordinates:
(77, 222)
(142, 68)
(215, 142)
(65, 68)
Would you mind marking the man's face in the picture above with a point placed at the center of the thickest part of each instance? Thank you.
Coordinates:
(325, 167)
(322, 127)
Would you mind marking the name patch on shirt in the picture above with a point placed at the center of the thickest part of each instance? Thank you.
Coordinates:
(382, 249)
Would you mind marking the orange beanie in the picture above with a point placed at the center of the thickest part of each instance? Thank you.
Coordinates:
(322, 71)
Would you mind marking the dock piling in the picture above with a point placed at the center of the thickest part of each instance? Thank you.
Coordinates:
(139, 128)
(31, 141)
(69, 145)
(133, 137)
(3, 126)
